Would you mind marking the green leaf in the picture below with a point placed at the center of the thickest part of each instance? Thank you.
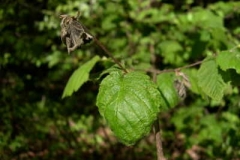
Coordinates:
(79, 77)
(210, 80)
(207, 19)
(170, 49)
(229, 60)
(169, 95)
(193, 78)
(129, 103)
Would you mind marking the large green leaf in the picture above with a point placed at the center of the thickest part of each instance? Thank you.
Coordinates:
(229, 60)
(210, 80)
(129, 103)
(169, 95)
(79, 77)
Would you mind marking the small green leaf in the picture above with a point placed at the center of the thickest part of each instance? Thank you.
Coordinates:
(229, 60)
(79, 77)
(129, 103)
(169, 95)
(170, 49)
(210, 80)
(193, 78)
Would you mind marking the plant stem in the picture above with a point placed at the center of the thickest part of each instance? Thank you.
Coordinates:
(105, 50)
(156, 71)
(109, 54)
(156, 129)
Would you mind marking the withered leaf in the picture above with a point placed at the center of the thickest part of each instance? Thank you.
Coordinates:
(73, 35)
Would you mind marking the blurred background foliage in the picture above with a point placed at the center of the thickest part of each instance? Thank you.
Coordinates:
(34, 68)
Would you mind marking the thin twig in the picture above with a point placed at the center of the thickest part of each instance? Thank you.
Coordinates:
(105, 50)
(157, 133)
(153, 70)
(109, 54)
(156, 127)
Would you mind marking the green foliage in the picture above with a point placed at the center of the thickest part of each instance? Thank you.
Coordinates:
(211, 129)
(80, 76)
(169, 96)
(210, 80)
(144, 36)
(129, 103)
(229, 60)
